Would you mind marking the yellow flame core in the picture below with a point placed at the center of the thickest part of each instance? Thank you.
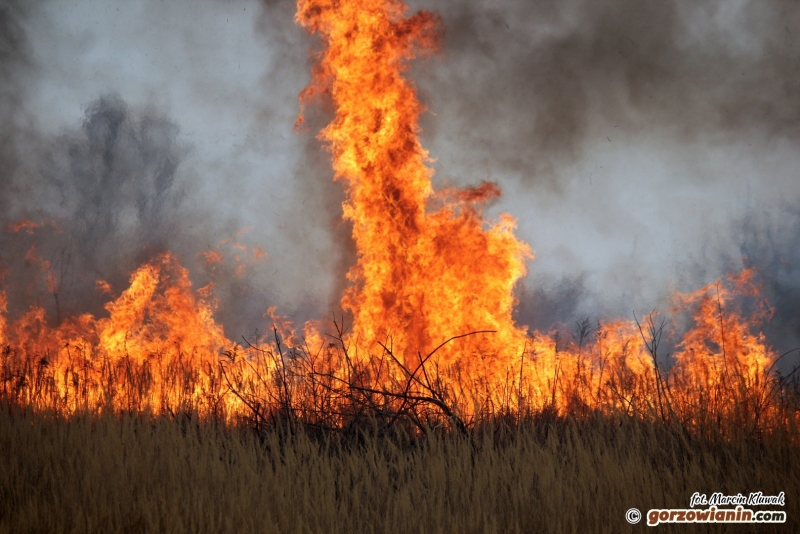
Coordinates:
(422, 276)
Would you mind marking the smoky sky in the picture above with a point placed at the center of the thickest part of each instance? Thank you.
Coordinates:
(643, 147)
(14, 66)
(132, 131)
(103, 200)
(632, 137)
(534, 77)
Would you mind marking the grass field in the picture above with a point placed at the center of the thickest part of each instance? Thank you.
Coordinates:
(131, 474)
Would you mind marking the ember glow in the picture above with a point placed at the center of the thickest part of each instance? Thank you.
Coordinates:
(431, 295)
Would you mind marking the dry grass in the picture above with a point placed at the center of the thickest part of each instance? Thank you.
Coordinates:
(142, 474)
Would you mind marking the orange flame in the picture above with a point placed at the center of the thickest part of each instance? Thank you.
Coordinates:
(721, 346)
(23, 226)
(720, 362)
(157, 334)
(422, 276)
(429, 268)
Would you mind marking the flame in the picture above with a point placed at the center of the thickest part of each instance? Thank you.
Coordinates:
(422, 275)
(212, 256)
(103, 287)
(720, 346)
(431, 297)
(23, 225)
(430, 269)
(721, 363)
(243, 256)
(158, 347)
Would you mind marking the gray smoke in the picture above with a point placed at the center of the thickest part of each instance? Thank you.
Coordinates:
(631, 138)
(535, 79)
(14, 71)
(134, 130)
(105, 201)
(770, 243)
(552, 303)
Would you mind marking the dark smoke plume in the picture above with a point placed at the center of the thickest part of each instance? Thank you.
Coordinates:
(111, 191)
(524, 88)
(14, 70)
(551, 303)
(538, 79)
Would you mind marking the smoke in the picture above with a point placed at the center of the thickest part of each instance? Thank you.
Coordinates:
(100, 201)
(770, 243)
(148, 127)
(553, 303)
(630, 138)
(536, 80)
(14, 72)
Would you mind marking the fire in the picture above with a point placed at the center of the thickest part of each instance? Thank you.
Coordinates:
(423, 275)
(431, 298)
(158, 311)
(243, 257)
(430, 269)
(23, 226)
(720, 362)
(721, 348)
(158, 347)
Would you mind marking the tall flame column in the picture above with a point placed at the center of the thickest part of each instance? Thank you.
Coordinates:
(422, 276)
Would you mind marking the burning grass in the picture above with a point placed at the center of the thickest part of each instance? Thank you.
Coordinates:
(722, 382)
(430, 340)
